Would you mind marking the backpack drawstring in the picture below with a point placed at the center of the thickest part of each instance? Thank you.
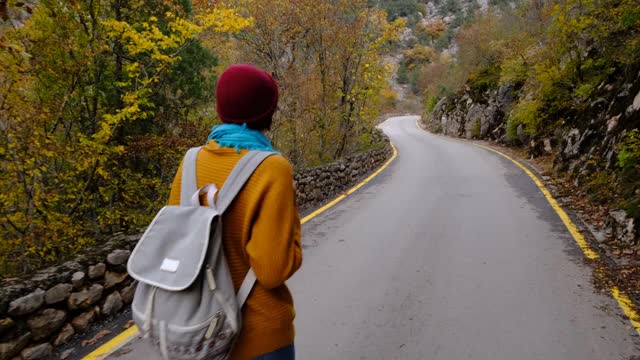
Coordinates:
(163, 341)
(148, 312)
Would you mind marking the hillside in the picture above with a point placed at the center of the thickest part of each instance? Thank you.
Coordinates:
(562, 82)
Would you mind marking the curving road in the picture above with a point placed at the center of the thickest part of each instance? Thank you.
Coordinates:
(451, 253)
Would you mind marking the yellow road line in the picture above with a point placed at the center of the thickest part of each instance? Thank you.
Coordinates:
(126, 336)
(110, 346)
(627, 306)
(623, 300)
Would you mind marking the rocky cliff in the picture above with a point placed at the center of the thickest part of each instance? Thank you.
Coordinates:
(472, 115)
(584, 149)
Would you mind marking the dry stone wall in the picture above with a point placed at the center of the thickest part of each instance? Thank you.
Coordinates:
(54, 304)
(48, 308)
(317, 185)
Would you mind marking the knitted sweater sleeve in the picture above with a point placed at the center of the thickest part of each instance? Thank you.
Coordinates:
(274, 247)
(174, 195)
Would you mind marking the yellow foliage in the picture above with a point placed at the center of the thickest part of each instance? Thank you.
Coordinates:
(432, 30)
(164, 49)
(526, 112)
(418, 55)
(66, 170)
(327, 58)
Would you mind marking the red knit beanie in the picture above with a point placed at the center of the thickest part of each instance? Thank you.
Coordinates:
(246, 94)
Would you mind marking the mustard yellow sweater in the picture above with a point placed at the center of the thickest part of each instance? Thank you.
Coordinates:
(261, 230)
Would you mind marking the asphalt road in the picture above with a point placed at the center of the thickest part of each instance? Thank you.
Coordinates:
(451, 253)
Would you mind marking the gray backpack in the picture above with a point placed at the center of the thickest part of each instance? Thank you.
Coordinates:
(185, 302)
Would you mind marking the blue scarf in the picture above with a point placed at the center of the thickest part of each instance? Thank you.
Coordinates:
(240, 137)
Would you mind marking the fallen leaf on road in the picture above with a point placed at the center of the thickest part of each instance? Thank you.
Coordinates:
(129, 324)
(95, 339)
(122, 352)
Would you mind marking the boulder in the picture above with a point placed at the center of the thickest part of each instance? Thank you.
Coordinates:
(473, 121)
(622, 227)
(11, 348)
(85, 298)
(42, 351)
(635, 106)
(65, 334)
(489, 120)
(10, 292)
(27, 304)
(572, 147)
(46, 323)
(97, 270)
(77, 279)
(127, 293)
(81, 322)
(505, 95)
(112, 304)
(118, 257)
(547, 146)
(112, 279)
(612, 123)
(453, 124)
(58, 293)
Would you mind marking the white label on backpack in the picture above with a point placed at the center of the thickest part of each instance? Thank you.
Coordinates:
(169, 265)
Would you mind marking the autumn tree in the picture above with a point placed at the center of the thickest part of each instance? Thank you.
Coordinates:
(431, 31)
(97, 101)
(418, 55)
(327, 59)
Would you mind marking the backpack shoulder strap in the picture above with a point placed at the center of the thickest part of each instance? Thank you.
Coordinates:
(189, 182)
(238, 177)
(231, 187)
(245, 288)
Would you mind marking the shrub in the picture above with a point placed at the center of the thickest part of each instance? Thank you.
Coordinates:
(527, 113)
(599, 187)
(485, 78)
(629, 152)
(476, 131)
(431, 103)
(629, 164)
